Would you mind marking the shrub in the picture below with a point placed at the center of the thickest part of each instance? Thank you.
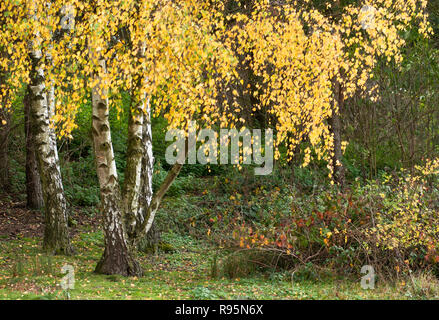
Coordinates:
(390, 223)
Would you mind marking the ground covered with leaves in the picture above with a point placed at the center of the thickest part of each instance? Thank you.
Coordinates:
(181, 271)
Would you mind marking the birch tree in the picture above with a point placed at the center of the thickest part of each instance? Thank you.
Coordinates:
(27, 37)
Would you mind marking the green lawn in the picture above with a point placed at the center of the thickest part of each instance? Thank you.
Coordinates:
(26, 273)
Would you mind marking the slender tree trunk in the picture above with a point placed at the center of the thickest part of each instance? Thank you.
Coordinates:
(147, 174)
(139, 171)
(56, 236)
(5, 178)
(141, 155)
(34, 190)
(335, 127)
(149, 201)
(118, 256)
(133, 170)
(140, 161)
(148, 211)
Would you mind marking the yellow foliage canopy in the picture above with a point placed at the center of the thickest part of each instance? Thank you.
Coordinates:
(178, 52)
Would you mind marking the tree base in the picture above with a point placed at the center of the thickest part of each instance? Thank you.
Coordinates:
(59, 250)
(57, 241)
(122, 264)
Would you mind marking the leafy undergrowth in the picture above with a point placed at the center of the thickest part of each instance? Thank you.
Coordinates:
(184, 273)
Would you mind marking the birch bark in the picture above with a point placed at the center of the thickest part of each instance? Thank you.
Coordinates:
(118, 257)
(56, 236)
(34, 190)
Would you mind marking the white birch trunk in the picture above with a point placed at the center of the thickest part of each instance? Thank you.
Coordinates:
(118, 257)
(56, 237)
(133, 171)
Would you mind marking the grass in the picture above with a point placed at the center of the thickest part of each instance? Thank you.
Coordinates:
(26, 273)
